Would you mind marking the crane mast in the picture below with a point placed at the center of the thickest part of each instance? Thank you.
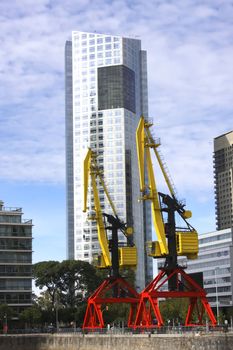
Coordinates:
(91, 169)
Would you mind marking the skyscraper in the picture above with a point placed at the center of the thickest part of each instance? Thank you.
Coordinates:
(223, 176)
(106, 93)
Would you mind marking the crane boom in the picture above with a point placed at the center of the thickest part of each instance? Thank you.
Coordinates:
(155, 207)
(90, 168)
(142, 151)
(144, 139)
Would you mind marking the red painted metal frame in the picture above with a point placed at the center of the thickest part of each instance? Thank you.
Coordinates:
(148, 313)
(124, 293)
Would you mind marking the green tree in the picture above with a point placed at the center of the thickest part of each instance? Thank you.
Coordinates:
(80, 313)
(31, 316)
(44, 301)
(5, 311)
(67, 284)
(174, 310)
(129, 275)
(78, 279)
(46, 274)
(115, 313)
(67, 281)
(6, 314)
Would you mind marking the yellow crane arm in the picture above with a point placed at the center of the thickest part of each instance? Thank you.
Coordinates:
(140, 143)
(155, 207)
(86, 170)
(102, 236)
(143, 149)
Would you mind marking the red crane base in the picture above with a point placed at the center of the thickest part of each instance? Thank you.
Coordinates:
(148, 313)
(112, 290)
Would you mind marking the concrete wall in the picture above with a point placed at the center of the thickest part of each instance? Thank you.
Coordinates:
(117, 342)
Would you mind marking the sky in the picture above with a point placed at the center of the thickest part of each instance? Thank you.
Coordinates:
(190, 72)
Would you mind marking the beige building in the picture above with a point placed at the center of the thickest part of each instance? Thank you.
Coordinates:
(223, 168)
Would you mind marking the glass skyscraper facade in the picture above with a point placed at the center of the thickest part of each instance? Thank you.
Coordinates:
(106, 93)
(215, 262)
(223, 180)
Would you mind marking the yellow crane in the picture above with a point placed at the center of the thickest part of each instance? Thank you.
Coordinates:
(112, 254)
(185, 240)
(172, 242)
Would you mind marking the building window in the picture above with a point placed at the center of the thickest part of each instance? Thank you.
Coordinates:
(116, 88)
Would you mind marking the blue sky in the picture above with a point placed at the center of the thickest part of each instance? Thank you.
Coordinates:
(190, 74)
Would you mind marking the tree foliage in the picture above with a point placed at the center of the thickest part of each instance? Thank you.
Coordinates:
(32, 315)
(46, 275)
(67, 285)
(67, 282)
(174, 310)
(78, 279)
(5, 311)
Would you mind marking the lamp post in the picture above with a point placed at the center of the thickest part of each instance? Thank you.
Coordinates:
(216, 288)
(5, 326)
(57, 322)
(56, 310)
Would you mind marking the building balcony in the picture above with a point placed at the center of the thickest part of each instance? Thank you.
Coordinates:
(15, 262)
(12, 275)
(15, 289)
(22, 304)
(12, 248)
(11, 209)
(27, 221)
(15, 236)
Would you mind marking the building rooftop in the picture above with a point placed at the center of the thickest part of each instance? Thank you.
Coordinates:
(227, 133)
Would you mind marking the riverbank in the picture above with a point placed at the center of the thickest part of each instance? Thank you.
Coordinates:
(194, 341)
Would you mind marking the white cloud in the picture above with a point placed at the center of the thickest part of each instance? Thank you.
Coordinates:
(190, 75)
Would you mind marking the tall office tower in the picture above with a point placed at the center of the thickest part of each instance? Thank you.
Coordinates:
(106, 93)
(223, 176)
(15, 259)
